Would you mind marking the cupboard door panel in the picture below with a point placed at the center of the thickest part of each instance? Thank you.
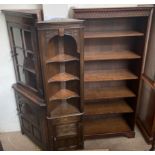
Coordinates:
(32, 119)
(149, 69)
(146, 109)
(147, 106)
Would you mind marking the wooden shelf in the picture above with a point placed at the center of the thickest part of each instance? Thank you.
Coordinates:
(62, 77)
(63, 94)
(110, 55)
(63, 110)
(112, 34)
(107, 107)
(107, 93)
(105, 126)
(62, 58)
(108, 75)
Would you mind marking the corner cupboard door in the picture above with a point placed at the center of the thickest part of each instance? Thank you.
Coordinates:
(146, 110)
(24, 47)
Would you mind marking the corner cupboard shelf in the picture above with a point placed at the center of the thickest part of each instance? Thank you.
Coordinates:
(113, 49)
(63, 94)
(62, 77)
(62, 58)
(62, 73)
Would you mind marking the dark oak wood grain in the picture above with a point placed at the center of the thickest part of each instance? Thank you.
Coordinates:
(107, 107)
(108, 75)
(100, 127)
(114, 47)
(61, 51)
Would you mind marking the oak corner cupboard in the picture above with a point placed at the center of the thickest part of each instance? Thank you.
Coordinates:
(47, 58)
(115, 46)
(81, 78)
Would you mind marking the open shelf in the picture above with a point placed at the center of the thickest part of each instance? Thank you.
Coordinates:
(107, 107)
(62, 77)
(63, 94)
(110, 55)
(108, 75)
(62, 58)
(111, 34)
(63, 110)
(107, 93)
(105, 126)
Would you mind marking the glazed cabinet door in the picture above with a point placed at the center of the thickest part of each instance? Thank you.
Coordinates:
(24, 49)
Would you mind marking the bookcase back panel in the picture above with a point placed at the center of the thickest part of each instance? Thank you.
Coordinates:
(121, 69)
(115, 24)
(105, 84)
(56, 43)
(55, 106)
(103, 65)
(101, 45)
(69, 85)
(69, 68)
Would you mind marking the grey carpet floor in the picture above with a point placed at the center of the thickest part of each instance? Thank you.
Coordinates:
(15, 141)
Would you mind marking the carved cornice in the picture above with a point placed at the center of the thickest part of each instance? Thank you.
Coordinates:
(111, 12)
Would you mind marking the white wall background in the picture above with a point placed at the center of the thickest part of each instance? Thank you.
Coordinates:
(64, 10)
(8, 114)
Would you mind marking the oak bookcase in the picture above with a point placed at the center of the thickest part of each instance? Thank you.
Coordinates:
(115, 42)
